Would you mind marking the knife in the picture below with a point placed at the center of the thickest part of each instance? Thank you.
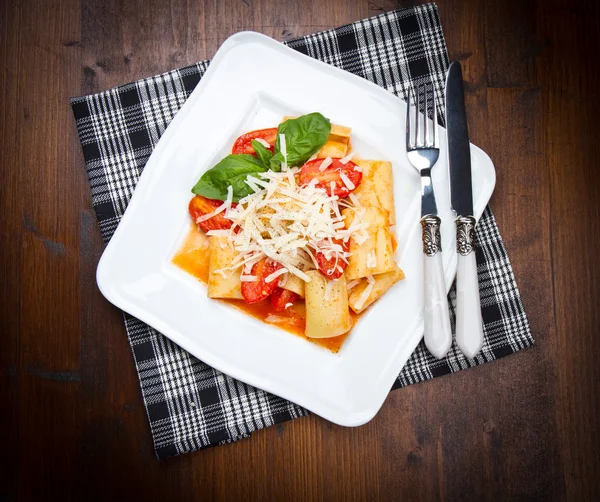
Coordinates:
(469, 329)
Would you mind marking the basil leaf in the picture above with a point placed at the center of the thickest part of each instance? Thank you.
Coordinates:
(263, 153)
(275, 163)
(304, 136)
(232, 170)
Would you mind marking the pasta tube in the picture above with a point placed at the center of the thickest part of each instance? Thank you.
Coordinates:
(293, 283)
(221, 283)
(365, 293)
(327, 313)
(372, 250)
(376, 187)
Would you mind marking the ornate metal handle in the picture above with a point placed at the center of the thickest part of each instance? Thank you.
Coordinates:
(465, 234)
(432, 240)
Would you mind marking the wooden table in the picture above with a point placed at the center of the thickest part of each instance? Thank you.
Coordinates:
(524, 427)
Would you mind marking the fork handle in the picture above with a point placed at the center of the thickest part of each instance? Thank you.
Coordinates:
(438, 334)
(469, 325)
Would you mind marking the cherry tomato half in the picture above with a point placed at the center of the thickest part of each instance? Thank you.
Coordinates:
(199, 206)
(244, 143)
(260, 289)
(281, 298)
(328, 267)
(333, 173)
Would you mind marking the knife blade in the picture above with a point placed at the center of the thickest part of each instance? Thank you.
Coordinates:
(469, 329)
(459, 150)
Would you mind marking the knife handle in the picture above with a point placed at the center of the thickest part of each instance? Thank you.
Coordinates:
(469, 325)
(438, 334)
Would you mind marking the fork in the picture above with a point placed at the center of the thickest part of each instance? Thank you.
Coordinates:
(423, 153)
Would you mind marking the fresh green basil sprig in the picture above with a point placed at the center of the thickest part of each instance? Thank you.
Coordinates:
(269, 159)
(304, 136)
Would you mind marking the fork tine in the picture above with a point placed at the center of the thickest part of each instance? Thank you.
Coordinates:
(418, 93)
(408, 143)
(435, 120)
(426, 137)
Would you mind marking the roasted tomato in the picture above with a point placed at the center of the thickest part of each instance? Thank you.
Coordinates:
(281, 298)
(332, 173)
(332, 268)
(199, 206)
(244, 143)
(260, 289)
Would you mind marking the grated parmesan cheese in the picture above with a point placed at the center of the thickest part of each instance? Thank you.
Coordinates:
(283, 149)
(218, 233)
(325, 164)
(226, 204)
(371, 259)
(278, 319)
(352, 284)
(365, 294)
(361, 237)
(328, 286)
(288, 223)
(250, 181)
(222, 273)
(347, 181)
(275, 275)
(354, 199)
(363, 297)
(248, 278)
(347, 158)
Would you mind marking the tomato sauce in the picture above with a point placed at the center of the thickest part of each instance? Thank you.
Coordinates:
(193, 254)
(192, 257)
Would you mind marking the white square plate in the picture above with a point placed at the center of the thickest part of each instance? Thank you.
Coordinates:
(251, 83)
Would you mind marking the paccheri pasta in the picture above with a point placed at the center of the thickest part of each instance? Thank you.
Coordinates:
(298, 227)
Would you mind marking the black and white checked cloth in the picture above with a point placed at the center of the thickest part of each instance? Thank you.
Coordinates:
(189, 404)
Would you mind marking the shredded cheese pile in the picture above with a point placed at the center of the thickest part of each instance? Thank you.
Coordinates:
(288, 223)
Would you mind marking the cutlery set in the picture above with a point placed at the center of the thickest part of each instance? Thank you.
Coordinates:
(422, 146)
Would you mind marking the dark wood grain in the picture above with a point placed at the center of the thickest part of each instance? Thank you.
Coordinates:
(523, 428)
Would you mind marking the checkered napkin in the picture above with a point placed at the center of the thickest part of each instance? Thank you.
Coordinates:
(189, 404)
